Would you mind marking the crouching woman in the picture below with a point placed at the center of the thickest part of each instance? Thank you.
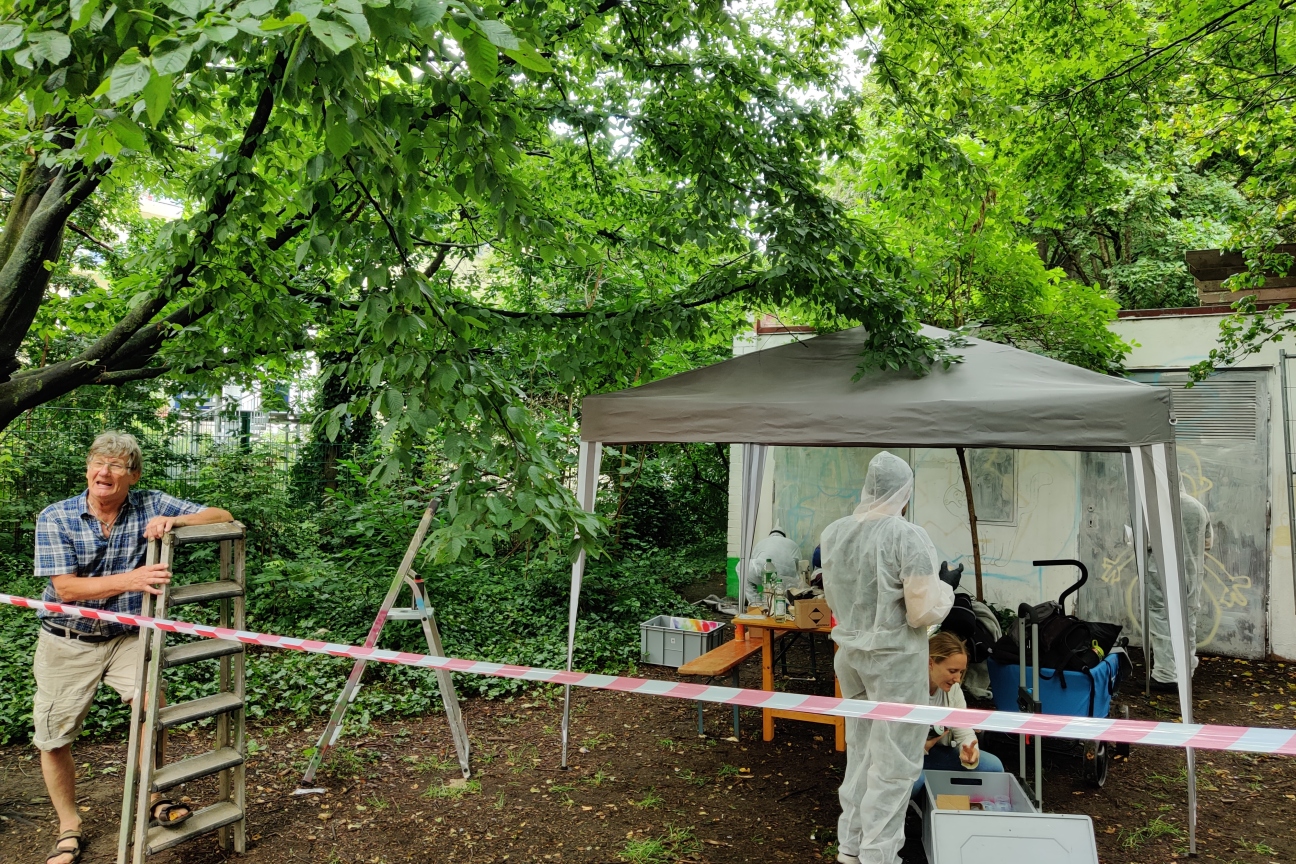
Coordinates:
(950, 748)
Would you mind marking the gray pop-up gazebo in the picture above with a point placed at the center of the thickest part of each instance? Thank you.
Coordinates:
(804, 394)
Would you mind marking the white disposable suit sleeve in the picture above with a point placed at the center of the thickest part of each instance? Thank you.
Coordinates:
(927, 600)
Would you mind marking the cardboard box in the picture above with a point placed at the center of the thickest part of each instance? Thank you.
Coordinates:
(953, 802)
(812, 613)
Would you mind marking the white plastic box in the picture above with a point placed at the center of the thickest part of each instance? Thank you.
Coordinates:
(993, 837)
(670, 641)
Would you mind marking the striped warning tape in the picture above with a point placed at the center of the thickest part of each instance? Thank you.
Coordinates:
(1204, 737)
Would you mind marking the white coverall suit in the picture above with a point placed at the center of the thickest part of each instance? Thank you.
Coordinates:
(1198, 536)
(880, 579)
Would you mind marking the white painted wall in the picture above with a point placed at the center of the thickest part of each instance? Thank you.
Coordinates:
(1176, 342)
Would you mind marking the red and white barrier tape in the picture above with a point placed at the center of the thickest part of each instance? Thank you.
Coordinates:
(1203, 737)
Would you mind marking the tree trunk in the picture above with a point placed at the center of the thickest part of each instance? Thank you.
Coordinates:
(976, 541)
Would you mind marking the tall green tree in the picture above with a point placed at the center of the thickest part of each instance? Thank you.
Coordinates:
(416, 188)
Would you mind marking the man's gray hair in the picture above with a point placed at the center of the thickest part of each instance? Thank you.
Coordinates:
(113, 444)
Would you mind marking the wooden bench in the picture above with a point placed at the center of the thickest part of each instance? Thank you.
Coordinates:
(721, 661)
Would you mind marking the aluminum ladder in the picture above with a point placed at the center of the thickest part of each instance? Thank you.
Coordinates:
(150, 720)
(422, 612)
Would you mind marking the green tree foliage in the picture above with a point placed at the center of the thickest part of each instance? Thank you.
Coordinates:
(418, 189)
(1121, 134)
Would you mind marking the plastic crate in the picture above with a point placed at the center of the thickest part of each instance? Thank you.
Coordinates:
(670, 641)
(996, 837)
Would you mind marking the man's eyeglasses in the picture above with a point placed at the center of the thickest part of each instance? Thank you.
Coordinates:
(114, 467)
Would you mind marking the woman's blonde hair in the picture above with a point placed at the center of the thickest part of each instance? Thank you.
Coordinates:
(945, 645)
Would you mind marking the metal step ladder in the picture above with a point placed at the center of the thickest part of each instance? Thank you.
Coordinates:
(419, 611)
(150, 719)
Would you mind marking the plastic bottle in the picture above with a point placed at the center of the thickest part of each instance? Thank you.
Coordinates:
(780, 601)
(768, 575)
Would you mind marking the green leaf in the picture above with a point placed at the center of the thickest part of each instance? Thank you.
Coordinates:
(157, 94)
(82, 12)
(50, 45)
(427, 12)
(127, 81)
(292, 20)
(172, 62)
(11, 35)
(358, 23)
(335, 36)
(128, 133)
(498, 33)
(338, 135)
(483, 59)
(189, 8)
(221, 33)
(529, 58)
(309, 9)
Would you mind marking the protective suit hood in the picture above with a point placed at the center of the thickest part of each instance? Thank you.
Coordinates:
(888, 487)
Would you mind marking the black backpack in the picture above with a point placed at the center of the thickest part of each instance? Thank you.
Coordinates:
(1066, 642)
(963, 622)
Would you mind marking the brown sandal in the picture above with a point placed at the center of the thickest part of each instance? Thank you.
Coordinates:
(75, 851)
(163, 818)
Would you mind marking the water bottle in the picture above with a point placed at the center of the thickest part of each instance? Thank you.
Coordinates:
(780, 601)
(768, 575)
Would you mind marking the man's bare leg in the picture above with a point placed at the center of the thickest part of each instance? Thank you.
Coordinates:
(60, 780)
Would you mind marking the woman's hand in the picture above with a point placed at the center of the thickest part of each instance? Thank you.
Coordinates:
(970, 754)
(931, 742)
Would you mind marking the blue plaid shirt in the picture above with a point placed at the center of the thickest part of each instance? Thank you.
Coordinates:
(69, 540)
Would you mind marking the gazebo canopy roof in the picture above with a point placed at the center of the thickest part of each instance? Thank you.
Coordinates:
(802, 394)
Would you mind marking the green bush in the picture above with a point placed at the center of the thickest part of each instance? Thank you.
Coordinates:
(504, 611)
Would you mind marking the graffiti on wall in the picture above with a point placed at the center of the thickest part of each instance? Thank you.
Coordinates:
(1224, 593)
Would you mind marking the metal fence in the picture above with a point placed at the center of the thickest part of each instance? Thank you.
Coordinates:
(42, 454)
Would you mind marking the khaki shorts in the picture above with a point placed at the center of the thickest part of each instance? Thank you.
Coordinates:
(68, 673)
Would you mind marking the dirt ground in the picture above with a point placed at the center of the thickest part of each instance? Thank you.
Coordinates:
(644, 788)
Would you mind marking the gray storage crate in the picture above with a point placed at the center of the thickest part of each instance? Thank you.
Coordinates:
(670, 641)
(996, 837)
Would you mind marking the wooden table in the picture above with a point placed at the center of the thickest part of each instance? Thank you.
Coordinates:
(764, 629)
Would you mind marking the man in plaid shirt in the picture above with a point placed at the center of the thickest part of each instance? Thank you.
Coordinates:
(92, 550)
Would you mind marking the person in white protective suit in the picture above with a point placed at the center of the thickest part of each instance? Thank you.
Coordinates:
(1198, 537)
(782, 553)
(880, 579)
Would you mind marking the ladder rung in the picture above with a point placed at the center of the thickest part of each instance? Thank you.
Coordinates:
(408, 614)
(194, 767)
(208, 706)
(205, 821)
(208, 533)
(203, 592)
(204, 649)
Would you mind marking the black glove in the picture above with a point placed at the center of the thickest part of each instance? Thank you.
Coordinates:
(951, 577)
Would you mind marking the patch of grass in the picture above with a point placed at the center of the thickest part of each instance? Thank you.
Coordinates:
(649, 800)
(499, 802)
(668, 744)
(727, 771)
(376, 803)
(687, 775)
(1154, 829)
(526, 757)
(433, 763)
(598, 778)
(1256, 848)
(678, 843)
(345, 762)
(596, 739)
(1168, 780)
(453, 790)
